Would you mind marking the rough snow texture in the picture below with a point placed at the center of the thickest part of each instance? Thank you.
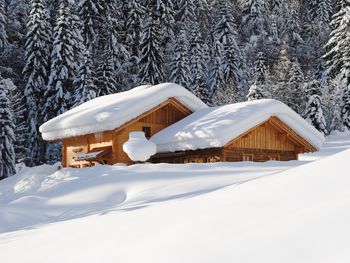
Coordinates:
(216, 126)
(111, 111)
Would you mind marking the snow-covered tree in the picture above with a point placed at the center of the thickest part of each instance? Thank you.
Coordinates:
(3, 34)
(90, 12)
(226, 34)
(7, 136)
(254, 17)
(134, 21)
(198, 58)
(255, 92)
(295, 95)
(314, 113)
(64, 66)
(339, 40)
(105, 82)
(217, 73)
(179, 67)
(292, 33)
(151, 54)
(35, 72)
(186, 12)
(84, 84)
(345, 106)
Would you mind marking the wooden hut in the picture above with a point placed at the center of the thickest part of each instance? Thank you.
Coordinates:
(259, 130)
(95, 131)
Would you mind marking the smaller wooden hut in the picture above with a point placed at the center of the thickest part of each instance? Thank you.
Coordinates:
(258, 130)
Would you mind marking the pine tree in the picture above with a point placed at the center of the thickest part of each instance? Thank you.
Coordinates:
(7, 136)
(186, 13)
(324, 11)
(3, 34)
(35, 75)
(314, 112)
(295, 95)
(84, 84)
(179, 67)
(198, 51)
(63, 64)
(345, 106)
(255, 93)
(225, 33)
(105, 83)
(260, 69)
(217, 82)
(254, 17)
(134, 21)
(338, 41)
(292, 33)
(151, 54)
(90, 12)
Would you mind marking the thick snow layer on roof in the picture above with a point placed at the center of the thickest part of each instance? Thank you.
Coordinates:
(216, 126)
(111, 111)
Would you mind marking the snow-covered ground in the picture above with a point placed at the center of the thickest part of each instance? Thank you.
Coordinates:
(296, 211)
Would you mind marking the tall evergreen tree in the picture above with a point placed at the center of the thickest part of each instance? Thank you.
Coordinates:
(254, 17)
(179, 67)
(314, 112)
(64, 66)
(295, 95)
(217, 83)
(7, 136)
(225, 33)
(90, 12)
(35, 75)
(3, 33)
(151, 54)
(84, 84)
(199, 56)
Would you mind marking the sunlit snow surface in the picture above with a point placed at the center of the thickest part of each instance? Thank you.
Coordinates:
(296, 211)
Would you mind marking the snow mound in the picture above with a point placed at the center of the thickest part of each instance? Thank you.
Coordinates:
(111, 111)
(216, 126)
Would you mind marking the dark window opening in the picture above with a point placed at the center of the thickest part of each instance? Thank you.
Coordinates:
(147, 131)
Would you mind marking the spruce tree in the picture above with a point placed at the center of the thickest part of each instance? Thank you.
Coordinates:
(314, 112)
(84, 84)
(199, 56)
(295, 95)
(216, 81)
(179, 67)
(59, 91)
(90, 12)
(7, 136)
(151, 54)
(35, 75)
(105, 82)
(3, 34)
(254, 17)
(225, 33)
(338, 40)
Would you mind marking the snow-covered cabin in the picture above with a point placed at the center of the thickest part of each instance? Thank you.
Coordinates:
(95, 131)
(258, 130)
(183, 128)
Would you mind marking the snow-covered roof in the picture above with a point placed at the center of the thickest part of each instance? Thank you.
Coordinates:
(216, 126)
(111, 111)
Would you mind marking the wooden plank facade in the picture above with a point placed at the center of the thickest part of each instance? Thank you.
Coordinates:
(150, 122)
(270, 140)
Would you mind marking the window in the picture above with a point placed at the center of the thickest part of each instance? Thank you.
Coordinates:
(147, 131)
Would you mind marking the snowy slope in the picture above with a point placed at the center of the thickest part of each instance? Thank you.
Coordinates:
(240, 212)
